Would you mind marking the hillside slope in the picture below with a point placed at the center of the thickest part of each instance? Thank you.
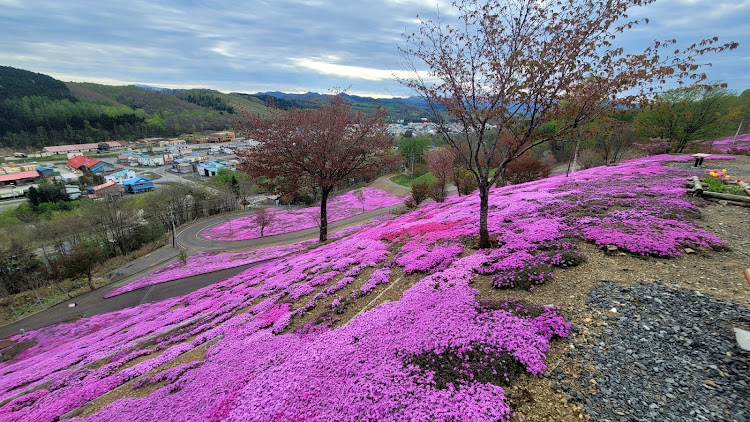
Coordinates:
(19, 83)
(402, 320)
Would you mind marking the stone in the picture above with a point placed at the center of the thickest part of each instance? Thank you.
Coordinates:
(743, 338)
(689, 251)
(611, 249)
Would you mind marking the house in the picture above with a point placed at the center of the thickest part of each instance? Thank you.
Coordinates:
(171, 142)
(19, 179)
(124, 158)
(105, 190)
(69, 177)
(102, 167)
(46, 171)
(81, 162)
(73, 191)
(138, 185)
(184, 167)
(81, 148)
(207, 169)
(121, 175)
(220, 137)
(150, 161)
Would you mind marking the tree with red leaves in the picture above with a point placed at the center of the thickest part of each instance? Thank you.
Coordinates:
(322, 146)
(504, 68)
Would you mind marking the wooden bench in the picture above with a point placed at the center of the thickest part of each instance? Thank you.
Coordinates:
(699, 159)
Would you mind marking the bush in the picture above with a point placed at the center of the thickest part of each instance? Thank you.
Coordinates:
(588, 159)
(523, 278)
(526, 169)
(419, 192)
(739, 150)
(436, 191)
(654, 146)
(465, 182)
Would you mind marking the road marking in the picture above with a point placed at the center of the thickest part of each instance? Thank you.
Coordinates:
(148, 293)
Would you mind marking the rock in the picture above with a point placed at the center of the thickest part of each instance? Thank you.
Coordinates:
(722, 202)
(611, 249)
(711, 383)
(689, 250)
(743, 339)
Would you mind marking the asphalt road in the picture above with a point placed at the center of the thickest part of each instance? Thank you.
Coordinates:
(92, 303)
(191, 240)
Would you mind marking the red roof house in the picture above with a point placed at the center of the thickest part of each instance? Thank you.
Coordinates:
(81, 161)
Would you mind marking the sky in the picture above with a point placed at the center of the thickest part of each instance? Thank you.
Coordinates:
(288, 45)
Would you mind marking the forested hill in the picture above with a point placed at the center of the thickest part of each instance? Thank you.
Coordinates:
(19, 83)
(37, 110)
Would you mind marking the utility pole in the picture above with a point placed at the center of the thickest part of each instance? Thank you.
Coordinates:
(738, 131)
(174, 230)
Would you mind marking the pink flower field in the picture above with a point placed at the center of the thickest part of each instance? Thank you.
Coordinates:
(280, 342)
(729, 145)
(206, 262)
(339, 207)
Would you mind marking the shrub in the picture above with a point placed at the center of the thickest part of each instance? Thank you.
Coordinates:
(419, 192)
(475, 362)
(526, 169)
(465, 182)
(739, 150)
(654, 146)
(588, 159)
(523, 278)
(437, 191)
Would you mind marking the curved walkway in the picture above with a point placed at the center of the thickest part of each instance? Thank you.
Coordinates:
(190, 239)
(92, 303)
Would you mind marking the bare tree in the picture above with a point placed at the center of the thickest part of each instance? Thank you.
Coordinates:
(360, 194)
(441, 162)
(263, 218)
(511, 66)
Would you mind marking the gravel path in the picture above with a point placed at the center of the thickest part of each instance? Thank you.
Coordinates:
(664, 354)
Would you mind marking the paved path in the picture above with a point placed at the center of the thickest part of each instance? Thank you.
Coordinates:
(92, 303)
(190, 239)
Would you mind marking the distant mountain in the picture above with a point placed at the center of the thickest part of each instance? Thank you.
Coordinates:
(151, 88)
(37, 110)
(408, 109)
(19, 83)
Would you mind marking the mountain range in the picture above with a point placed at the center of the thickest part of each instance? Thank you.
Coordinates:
(37, 110)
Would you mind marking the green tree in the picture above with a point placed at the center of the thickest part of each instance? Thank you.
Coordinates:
(684, 115)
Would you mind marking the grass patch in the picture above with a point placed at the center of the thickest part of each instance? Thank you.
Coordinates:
(405, 180)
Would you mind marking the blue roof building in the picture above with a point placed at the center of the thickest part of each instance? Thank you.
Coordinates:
(102, 167)
(138, 185)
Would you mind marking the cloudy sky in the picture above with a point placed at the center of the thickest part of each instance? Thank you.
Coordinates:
(284, 45)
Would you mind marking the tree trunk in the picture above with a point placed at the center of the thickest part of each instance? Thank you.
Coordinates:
(324, 214)
(484, 206)
(91, 284)
(65, 292)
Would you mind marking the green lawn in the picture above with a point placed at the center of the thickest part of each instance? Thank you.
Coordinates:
(405, 180)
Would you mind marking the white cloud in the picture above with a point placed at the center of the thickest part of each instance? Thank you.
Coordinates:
(347, 71)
